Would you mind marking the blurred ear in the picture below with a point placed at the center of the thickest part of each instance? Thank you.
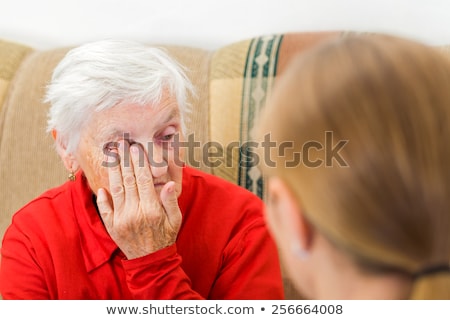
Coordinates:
(288, 218)
(68, 159)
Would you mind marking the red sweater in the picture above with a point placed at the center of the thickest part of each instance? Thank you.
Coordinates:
(58, 248)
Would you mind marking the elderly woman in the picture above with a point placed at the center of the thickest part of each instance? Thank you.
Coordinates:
(133, 222)
(377, 224)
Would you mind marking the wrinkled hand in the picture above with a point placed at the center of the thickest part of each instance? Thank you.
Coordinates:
(138, 220)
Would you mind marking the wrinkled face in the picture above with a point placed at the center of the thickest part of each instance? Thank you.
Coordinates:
(153, 127)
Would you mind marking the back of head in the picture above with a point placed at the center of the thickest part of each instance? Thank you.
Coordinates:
(386, 201)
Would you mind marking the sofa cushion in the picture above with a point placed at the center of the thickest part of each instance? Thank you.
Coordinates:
(29, 164)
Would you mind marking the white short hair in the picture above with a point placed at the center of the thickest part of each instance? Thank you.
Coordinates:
(103, 74)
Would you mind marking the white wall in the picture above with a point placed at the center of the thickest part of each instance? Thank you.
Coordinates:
(209, 23)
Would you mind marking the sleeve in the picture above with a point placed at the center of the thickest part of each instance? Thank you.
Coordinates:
(159, 276)
(20, 275)
(250, 271)
(251, 268)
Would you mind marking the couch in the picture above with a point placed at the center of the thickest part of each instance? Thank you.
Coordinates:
(231, 85)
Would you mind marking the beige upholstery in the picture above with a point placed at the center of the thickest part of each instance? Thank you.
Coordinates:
(231, 86)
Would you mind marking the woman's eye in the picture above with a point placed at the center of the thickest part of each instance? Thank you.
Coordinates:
(111, 146)
(167, 137)
(168, 134)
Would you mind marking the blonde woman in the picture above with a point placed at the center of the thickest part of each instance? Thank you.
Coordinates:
(372, 219)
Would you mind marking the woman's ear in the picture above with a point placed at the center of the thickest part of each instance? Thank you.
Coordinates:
(287, 219)
(68, 159)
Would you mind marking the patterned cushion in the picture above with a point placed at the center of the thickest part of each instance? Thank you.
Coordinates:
(241, 78)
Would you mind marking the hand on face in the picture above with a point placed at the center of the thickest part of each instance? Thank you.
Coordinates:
(139, 220)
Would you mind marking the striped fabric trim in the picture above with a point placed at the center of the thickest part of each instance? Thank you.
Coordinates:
(259, 74)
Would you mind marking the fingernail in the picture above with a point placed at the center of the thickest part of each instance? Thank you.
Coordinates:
(100, 193)
(170, 189)
(134, 149)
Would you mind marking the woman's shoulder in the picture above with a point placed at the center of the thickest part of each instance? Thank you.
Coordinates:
(44, 207)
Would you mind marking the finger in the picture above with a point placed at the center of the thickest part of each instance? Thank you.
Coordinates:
(170, 203)
(126, 167)
(104, 208)
(144, 179)
(115, 181)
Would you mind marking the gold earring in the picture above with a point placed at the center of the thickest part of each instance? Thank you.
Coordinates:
(72, 176)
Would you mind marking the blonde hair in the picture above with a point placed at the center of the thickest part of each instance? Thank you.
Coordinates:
(389, 98)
